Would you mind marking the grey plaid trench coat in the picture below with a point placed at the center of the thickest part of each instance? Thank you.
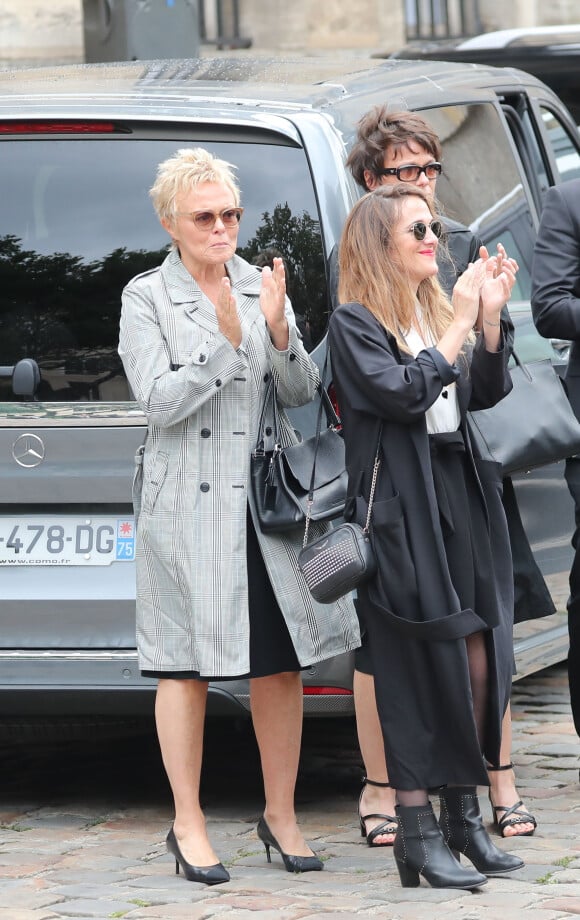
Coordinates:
(202, 399)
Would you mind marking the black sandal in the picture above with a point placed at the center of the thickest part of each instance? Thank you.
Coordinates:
(513, 814)
(390, 825)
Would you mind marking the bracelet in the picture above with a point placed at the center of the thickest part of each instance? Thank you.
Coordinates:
(487, 323)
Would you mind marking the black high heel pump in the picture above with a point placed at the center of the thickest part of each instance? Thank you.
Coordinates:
(207, 875)
(291, 863)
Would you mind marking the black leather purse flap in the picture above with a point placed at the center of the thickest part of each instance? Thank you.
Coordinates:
(330, 459)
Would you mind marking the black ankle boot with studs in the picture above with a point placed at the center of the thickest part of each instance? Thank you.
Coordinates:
(420, 850)
(463, 830)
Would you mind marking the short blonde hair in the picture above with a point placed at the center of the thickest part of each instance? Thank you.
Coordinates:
(187, 168)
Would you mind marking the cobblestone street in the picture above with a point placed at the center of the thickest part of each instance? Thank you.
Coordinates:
(83, 827)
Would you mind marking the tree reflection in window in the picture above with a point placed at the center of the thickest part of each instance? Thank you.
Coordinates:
(64, 312)
(298, 240)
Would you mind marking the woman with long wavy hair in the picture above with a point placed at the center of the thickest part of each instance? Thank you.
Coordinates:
(407, 364)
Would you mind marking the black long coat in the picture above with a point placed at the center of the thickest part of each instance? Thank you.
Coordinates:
(412, 612)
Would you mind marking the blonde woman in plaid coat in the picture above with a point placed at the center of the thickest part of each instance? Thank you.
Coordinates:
(216, 599)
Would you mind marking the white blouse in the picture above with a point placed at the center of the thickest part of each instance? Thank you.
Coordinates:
(444, 413)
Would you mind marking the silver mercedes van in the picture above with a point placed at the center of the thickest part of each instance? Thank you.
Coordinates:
(79, 146)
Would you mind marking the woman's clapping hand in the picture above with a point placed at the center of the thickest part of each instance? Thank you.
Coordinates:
(272, 302)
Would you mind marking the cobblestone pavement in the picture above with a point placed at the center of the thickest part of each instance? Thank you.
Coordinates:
(83, 824)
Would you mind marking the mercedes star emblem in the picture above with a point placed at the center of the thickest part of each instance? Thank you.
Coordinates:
(28, 450)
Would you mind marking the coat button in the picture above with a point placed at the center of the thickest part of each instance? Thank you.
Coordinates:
(292, 357)
(268, 431)
(205, 432)
(266, 378)
(204, 487)
(218, 382)
(202, 358)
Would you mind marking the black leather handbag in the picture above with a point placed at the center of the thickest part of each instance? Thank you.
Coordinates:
(342, 559)
(532, 426)
(281, 476)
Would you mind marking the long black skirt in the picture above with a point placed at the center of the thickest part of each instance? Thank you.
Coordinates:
(414, 677)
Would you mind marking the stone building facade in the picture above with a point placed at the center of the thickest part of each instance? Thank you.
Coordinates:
(52, 30)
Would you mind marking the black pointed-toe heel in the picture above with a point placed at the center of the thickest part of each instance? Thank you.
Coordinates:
(207, 875)
(291, 863)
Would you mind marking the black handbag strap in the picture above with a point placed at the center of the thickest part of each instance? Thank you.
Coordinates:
(519, 363)
(268, 419)
(270, 399)
(333, 420)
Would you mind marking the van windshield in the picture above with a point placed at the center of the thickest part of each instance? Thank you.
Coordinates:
(76, 224)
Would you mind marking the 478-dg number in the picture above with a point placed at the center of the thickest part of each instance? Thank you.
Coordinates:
(85, 537)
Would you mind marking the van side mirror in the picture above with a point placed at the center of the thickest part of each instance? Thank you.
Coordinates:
(25, 377)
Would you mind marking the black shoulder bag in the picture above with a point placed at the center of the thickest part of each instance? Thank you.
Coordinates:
(532, 426)
(342, 559)
(281, 476)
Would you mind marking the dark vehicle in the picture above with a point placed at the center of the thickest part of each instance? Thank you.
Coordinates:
(550, 53)
(78, 151)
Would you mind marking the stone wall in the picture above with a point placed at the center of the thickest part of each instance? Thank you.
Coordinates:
(310, 25)
(52, 30)
(497, 14)
(35, 30)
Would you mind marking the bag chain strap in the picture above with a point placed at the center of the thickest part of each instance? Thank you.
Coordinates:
(372, 492)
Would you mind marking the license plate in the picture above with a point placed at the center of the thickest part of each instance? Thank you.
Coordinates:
(64, 540)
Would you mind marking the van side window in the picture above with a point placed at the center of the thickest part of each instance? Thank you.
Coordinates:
(563, 147)
(532, 155)
(481, 185)
(559, 143)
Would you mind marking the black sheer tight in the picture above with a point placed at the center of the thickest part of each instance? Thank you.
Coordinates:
(478, 676)
(412, 798)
